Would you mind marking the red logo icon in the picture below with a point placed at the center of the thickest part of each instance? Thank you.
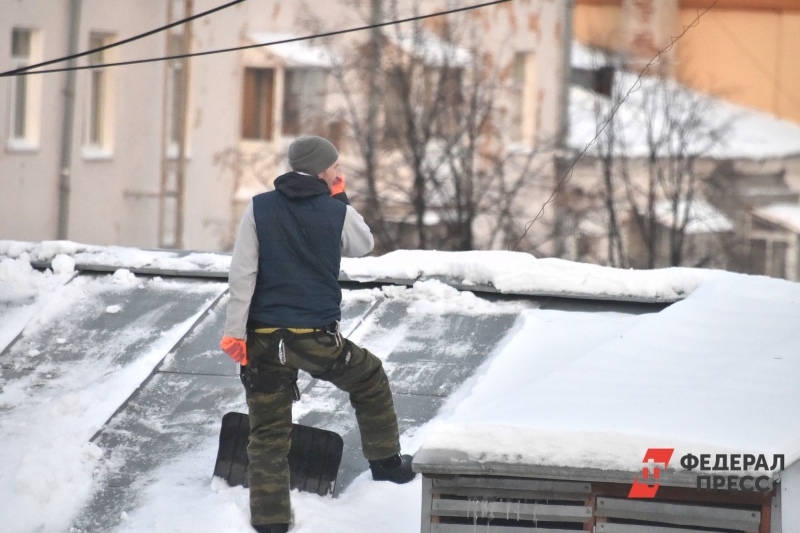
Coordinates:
(654, 460)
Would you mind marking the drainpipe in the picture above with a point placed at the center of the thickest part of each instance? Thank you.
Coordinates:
(183, 127)
(68, 119)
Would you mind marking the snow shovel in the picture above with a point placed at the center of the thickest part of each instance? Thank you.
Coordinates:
(314, 455)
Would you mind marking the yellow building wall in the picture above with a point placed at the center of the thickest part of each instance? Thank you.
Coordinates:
(746, 56)
(598, 25)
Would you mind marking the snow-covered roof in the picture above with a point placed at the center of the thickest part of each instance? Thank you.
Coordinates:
(122, 376)
(295, 54)
(702, 216)
(598, 390)
(589, 58)
(749, 134)
(431, 49)
(786, 215)
(111, 258)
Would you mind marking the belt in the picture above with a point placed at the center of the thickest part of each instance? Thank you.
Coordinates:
(263, 329)
(293, 330)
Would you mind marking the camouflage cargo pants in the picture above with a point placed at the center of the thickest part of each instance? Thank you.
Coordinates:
(325, 356)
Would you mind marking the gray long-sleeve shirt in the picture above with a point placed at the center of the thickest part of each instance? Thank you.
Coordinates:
(356, 241)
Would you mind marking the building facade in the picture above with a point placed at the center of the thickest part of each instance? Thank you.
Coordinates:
(740, 49)
(167, 154)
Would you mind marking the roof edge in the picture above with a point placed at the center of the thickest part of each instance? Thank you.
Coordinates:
(434, 461)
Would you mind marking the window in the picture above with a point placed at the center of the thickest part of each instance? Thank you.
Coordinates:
(257, 111)
(769, 257)
(436, 91)
(758, 256)
(397, 93)
(796, 263)
(25, 92)
(517, 96)
(98, 93)
(303, 101)
(99, 130)
(523, 104)
(777, 267)
(175, 91)
(599, 80)
(446, 84)
(20, 57)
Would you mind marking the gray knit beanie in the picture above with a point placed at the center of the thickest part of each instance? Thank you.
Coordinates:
(312, 155)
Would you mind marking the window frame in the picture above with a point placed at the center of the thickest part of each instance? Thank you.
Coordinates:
(24, 130)
(777, 260)
(310, 116)
(99, 117)
(523, 98)
(173, 89)
(258, 104)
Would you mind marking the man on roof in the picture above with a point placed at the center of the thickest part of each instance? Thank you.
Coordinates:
(283, 315)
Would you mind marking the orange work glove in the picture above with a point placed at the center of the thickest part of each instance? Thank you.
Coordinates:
(235, 348)
(338, 186)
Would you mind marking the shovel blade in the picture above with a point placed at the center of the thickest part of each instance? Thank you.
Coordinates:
(314, 456)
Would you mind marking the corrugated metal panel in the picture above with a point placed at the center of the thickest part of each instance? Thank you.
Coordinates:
(511, 510)
(680, 514)
(628, 528)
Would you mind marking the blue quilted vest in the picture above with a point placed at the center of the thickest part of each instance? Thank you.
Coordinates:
(299, 228)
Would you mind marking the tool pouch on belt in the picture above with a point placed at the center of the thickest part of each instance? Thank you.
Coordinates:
(257, 379)
(260, 376)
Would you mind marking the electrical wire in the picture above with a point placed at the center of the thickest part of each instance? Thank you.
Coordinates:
(634, 88)
(248, 47)
(23, 70)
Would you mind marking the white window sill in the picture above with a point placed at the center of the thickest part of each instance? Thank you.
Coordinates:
(22, 146)
(96, 153)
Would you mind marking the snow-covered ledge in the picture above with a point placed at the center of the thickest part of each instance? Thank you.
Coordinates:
(571, 402)
(478, 271)
(712, 374)
(523, 274)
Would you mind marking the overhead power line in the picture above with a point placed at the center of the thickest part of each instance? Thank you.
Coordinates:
(27, 68)
(635, 87)
(28, 72)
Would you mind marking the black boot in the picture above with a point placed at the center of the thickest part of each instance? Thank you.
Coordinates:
(272, 528)
(396, 469)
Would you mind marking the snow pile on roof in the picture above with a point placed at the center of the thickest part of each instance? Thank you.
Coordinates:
(521, 273)
(495, 271)
(786, 215)
(299, 53)
(23, 291)
(588, 58)
(61, 381)
(431, 49)
(115, 257)
(181, 501)
(746, 134)
(716, 371)
(702, 216)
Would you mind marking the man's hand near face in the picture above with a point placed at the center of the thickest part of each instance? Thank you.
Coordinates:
(338, 185)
